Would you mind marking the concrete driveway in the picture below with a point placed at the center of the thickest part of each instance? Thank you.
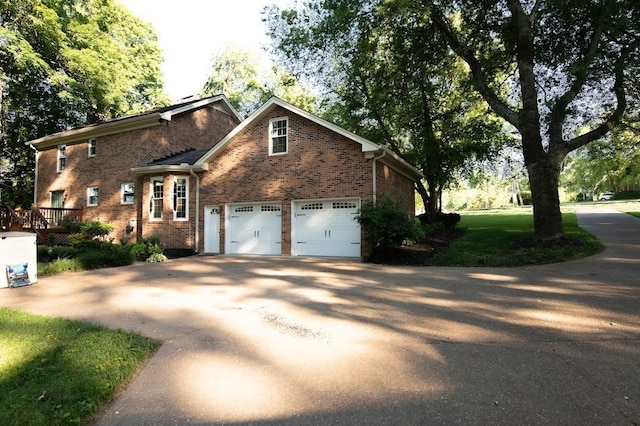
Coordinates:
(276, 340)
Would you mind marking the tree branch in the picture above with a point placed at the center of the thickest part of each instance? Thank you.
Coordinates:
(614, 118)
(479, 77)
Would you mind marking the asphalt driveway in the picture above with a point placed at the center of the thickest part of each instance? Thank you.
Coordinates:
(278, 340)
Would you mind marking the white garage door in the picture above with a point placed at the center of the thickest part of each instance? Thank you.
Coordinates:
(326, 228)
(253, 228)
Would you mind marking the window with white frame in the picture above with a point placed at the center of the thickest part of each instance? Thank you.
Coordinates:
(92, 196)
(278, 136)
(62, 157)
(180, 198)
(157, 197)
(126, 193)
(91, 147)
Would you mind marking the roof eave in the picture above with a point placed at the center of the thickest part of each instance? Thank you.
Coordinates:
(169, 168)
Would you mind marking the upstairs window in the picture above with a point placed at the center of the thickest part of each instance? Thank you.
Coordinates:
(278, 136)
(157, 196)
(62, 157)
(91, 147)
(180, 198)
(92, 196)
(126, 193)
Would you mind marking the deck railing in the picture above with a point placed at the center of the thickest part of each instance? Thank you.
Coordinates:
(56, 216)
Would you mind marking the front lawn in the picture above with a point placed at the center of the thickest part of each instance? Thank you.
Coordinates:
(55, 371)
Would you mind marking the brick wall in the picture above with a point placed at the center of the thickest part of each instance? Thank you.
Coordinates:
(319, 164)
(115, 156)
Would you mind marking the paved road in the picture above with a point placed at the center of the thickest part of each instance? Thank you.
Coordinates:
(256, 340)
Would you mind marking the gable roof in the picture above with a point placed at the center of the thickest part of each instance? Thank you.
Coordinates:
(370, 149)
(132, 122)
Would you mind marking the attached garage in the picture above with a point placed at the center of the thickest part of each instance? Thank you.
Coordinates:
(326, 228)
(253, 228)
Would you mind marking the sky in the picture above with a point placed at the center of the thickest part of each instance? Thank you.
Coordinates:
(190, 31)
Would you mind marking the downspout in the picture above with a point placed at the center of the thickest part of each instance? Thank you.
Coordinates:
(197, 225)
(35, 180)
(375, 176)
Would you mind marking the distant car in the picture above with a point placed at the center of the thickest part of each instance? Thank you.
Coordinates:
(605, 196)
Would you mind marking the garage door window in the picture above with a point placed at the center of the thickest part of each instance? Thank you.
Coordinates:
(244, 209)
(344, 205)
(311, 206)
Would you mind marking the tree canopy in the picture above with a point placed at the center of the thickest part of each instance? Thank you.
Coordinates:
(64, 64)
(561, 73)
(383, 85)
(248, 83)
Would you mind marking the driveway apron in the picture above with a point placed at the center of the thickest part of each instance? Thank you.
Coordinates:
(280, 340)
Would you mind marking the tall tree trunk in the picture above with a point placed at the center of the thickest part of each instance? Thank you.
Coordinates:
(543, 179)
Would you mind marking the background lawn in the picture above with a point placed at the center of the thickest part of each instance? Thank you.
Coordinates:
(55, 371)
(499, 239)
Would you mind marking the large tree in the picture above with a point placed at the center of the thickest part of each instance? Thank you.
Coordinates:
(248, 83)
(369, 59)
(560, 72)
(64, 64)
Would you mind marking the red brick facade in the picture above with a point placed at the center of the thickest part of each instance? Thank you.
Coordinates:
(320, 164)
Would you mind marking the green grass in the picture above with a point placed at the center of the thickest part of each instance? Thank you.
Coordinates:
(55, 371)
(492, 240)
(636, 214)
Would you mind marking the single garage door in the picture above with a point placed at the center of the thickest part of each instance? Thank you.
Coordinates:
(326, 228)
(253, 228)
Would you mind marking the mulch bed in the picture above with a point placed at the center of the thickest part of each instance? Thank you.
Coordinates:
(417, 254)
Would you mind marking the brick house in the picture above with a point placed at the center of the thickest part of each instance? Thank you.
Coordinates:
(281, 182)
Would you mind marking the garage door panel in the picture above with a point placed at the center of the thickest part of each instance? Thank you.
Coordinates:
(326, 228)
(254, 229)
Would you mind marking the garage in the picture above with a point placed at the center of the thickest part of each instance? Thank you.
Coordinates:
(326, 228)
(253, 228)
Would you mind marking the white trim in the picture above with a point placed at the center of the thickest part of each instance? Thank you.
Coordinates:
(122, 201)
(272, 136)
(92, 142)
(174, 199)
(152, 199)
(60, 157)
(89, 188)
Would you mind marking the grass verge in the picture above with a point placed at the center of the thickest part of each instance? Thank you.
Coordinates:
(55, 371)
(636, 214)
(495, 239)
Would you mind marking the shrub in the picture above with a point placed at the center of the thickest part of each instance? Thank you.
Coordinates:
(52, 253)
(388, 222)
(146, 247)
(156, 258)
(89, 234)
(107, 256)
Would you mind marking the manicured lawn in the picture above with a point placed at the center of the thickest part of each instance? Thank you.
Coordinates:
(494, 239)
(636, 214)
(55, 371)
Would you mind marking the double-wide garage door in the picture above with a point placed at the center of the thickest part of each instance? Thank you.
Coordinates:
(326, 228)
(318, 228)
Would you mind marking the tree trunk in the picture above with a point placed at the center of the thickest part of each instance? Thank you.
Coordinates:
(543, 179)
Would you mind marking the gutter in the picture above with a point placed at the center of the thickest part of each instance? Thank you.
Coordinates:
(197, 225)
(35, 180)
(375, 176)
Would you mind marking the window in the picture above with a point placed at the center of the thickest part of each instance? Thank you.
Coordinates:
(126, 193)
(92, 196)
(157, 195)
(92, 147)
(278, 138)
(62, 157)
(180, 198)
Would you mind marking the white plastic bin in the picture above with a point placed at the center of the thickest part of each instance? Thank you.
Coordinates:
(16, 250)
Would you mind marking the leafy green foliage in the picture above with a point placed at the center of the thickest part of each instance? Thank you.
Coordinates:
(89, 234)
(65, 64)
(57, 372)
(156, 258)
(239, 75)
(388, 222)
(146, 247)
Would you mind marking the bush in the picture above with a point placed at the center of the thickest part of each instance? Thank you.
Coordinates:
(89, 234)
(388, 222)
(156, 258)
(52, 253)
(146, 247)
(107, 256)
